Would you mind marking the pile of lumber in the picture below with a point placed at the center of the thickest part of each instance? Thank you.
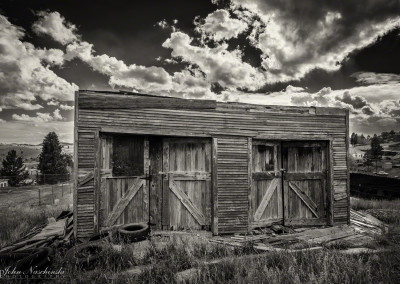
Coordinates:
(365, 223)
(55, 232)
(360, 232)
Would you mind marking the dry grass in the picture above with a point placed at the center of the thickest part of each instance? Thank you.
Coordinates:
(166, 258)
(18, 217)
(365, 204)
(15, 222)
(387, 211)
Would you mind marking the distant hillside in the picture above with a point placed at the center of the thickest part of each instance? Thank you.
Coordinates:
(30, 153)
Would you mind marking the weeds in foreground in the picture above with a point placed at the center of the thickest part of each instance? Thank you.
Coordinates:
(365, 204)
(163, 259)
(15, 222)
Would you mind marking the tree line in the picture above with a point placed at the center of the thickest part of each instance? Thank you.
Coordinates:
(356, 139)
(52, 163)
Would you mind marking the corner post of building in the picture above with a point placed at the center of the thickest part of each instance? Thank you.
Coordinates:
(249, 175)
(96, 179)
(214, 191)
(331, 188)
(75, 190)
(347, 165)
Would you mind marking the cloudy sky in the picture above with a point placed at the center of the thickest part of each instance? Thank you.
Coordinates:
(309, 52)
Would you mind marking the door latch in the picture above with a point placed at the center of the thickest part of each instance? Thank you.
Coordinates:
(146, 177)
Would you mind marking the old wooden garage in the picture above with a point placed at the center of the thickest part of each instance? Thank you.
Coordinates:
(205, 165)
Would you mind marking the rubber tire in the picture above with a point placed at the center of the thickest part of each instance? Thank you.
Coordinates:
(134, 232)
(37, 259)
(84, 261)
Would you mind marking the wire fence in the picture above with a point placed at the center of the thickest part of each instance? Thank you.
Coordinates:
(34, 178)
(37, 195)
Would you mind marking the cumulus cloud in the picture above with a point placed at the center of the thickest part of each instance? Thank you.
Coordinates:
(366, 115)
(298, 36)
(25, 73)
(137, 77)
(220, 26)
(66, 107)
(293, 38)
(55, 25)
(371, 78)
(163, 24)
(14, 131)
(219, 65)
(356, 101)
(40, 117)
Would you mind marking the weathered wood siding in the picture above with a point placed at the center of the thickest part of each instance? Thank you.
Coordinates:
(232, 184)
(85, 201)
(240, 121)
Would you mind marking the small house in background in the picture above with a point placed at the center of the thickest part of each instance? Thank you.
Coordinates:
(3, 183)
(181, 164)
(357, 154)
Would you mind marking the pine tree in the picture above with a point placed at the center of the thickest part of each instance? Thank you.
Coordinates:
(13, 168)
(52, 162)
(376, 151)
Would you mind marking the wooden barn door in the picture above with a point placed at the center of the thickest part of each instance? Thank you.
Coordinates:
(186, 184)
(305, 183)
(123, 184)
(266, 204)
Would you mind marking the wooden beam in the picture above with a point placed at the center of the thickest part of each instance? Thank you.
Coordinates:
(307, 201)
(347, 164)
(250, 181)
(214, 192)
(165, 222)
(264, 202)
(96, 180)
(84, 180)
(265, 175)
(117, 101)
(190, 175)
(146, 184)
(330, 181)
(305, 176)
(124, 201)
(75, 196)
(196, 213)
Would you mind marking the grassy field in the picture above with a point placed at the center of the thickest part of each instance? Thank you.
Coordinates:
(163, 257)
(28, 196)
(20, 210)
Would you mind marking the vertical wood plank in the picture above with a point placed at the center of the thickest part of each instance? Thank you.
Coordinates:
(75, 197)
(146, 186)
(156, 185)
(96, 174)
(249, 176)
(330, 188)
(165, 199)
(214, 192)
(347, 165)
